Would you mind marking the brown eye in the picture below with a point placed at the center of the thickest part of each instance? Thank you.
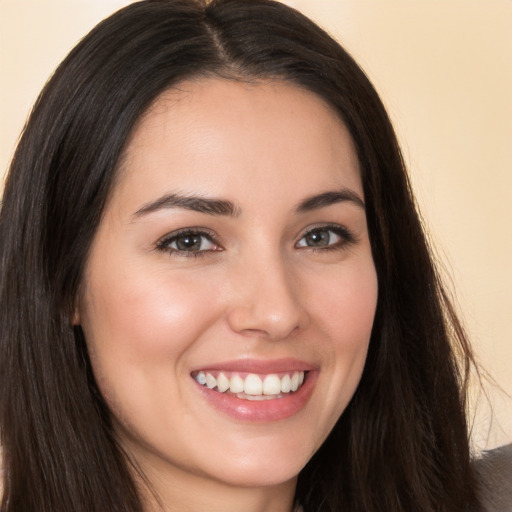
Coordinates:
(188, 242)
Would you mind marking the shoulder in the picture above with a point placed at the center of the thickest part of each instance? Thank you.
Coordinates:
(494, 479)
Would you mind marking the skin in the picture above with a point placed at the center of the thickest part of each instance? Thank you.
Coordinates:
(256, 288)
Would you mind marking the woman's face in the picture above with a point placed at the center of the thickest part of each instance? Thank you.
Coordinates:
(230, 291)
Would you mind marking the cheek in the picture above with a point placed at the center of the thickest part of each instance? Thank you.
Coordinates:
(345, 309)
(150, 308)
(136, 326)
(346, 305)
(354, 322)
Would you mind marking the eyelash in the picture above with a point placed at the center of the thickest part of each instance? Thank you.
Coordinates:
(346, 238)
(164, 244)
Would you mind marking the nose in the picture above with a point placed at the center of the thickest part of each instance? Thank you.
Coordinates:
(266, 300)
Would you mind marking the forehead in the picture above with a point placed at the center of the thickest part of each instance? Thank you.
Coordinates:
(215, 136)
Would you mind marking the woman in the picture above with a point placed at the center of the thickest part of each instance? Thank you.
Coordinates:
(224, 298)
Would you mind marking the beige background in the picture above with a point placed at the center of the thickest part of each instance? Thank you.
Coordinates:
(444, 70)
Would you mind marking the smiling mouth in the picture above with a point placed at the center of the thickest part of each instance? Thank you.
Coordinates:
(252, 386)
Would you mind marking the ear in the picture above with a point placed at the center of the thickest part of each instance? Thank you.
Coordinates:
(76, 320)
(76, 317)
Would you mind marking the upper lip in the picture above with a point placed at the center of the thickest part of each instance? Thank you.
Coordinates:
(262, 366)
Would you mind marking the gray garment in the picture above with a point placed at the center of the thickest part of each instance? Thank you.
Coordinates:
(494, 476)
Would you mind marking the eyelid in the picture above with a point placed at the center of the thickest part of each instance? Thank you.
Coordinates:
(347, 236)
(163, 244)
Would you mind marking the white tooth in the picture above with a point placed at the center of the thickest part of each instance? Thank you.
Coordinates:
(200, 377)
(253, 385)
(301, 378)
(256, 398)
(222, 383)
(244, 396)
(271, 385)
(286, 384)
(236, 384)
(295, 381)
(211, 381)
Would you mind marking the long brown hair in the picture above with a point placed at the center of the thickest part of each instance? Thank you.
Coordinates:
(401, 445)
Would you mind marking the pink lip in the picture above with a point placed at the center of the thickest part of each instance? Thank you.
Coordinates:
(264, 410)
(259, 366)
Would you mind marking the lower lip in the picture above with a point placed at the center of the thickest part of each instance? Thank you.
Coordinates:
(262, 410)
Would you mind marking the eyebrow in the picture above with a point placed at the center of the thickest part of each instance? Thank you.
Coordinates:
(330, 198)
(212, 206)
(190, 202)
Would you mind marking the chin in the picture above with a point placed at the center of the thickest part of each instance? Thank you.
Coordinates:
(267, 462)
(271, 473)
